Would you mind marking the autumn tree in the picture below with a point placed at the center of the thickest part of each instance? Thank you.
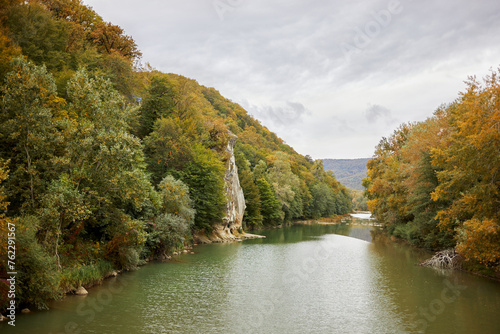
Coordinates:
(110, 38)
(470, 177)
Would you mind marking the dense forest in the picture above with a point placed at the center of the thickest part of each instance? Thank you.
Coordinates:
(437, 183)
(106, 163)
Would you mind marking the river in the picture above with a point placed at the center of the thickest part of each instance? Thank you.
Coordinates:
(300, 279)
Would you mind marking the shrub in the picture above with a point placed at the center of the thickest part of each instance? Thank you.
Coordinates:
(38, 276)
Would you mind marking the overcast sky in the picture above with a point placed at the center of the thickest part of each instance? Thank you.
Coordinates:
(329, 77)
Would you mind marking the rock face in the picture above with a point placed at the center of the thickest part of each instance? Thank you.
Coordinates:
(235, 207)
(231, 226)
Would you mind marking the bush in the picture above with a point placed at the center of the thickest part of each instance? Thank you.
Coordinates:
(38, 276)
(167, 232)
(127, 243)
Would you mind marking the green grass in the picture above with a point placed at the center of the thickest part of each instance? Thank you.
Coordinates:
(84, 275)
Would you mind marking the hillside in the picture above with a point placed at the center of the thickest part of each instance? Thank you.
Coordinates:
(111, 165)
(348, 172)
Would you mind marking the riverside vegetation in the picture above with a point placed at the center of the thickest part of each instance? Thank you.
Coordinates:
(436, 183)
(105, 163)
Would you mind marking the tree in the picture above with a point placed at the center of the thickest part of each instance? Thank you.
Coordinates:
(285, 183)
(159, 102)
(384, 188)
(64, 209)
(176, 199)
(470, 175)
(324, 201)
(270, 207)
(4, 221)
(8, 51)
(176, 215)
(41, 37)
(109, 38)
(167, 148)
(105, 163)
(38, 278)
(28, 127)
(252, 217)
(205, 177)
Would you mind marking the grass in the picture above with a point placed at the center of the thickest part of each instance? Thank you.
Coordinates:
(84, 275)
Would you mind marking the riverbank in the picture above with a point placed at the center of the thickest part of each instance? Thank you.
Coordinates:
(221, 233)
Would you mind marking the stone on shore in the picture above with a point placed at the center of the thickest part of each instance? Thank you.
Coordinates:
(81, 291)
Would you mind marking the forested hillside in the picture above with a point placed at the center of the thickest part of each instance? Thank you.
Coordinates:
(105, 164)
(437, 183)
(349, 172)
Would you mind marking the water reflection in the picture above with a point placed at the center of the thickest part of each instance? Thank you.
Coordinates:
(434, 301)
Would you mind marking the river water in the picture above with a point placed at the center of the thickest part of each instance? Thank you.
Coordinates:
(300, 279)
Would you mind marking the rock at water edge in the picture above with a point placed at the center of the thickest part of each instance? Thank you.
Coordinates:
(81, 291)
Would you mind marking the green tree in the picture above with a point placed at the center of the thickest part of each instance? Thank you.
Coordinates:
(252, 217)
(42, 38)
(175, 199)
(159, 102)
(168, 148)
(324, 201)
(285, 184)
(205, 177)
(29, 133)
(64, 208)
(106, 165)
(270, 206)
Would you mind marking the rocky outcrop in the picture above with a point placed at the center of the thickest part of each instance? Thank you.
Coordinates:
(231, 227)
(235, 207)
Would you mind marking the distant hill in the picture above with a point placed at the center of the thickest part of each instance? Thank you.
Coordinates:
(349, 172)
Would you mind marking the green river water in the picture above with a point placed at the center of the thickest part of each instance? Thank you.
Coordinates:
(300, 279)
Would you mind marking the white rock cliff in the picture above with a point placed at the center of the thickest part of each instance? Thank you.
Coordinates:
(235, 207)
(231, 227)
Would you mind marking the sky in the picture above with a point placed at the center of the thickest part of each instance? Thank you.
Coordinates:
(331, 78)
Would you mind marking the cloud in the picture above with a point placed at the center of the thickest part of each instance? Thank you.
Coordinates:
(275, 53)
(278, 116)
(376, 112)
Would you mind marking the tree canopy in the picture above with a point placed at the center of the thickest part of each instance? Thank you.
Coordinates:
(437, 183)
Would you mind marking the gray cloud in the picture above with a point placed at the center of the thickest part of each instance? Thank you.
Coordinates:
(278, 116)
(272, 52)
(376, 112)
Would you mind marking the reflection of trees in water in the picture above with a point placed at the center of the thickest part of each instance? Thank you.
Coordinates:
(301, 232)
(416, 292)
